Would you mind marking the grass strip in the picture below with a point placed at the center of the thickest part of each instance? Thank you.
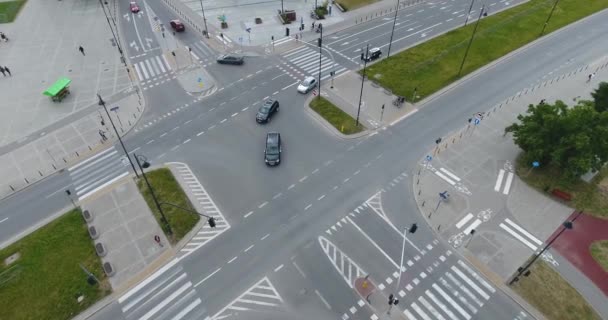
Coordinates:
(354, 4)
(586, 196)
(428, 67)
(550, 294)
(46, 280)
(167, 189)
(599, 252)
(334, 115)
(9, 10)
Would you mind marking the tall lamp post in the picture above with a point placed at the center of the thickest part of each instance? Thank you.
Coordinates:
(160, 210)
(103, 103)
(393, 301)
(204, 20)
(390, 42)
(320, 56)
(548, 18)
(471, 40)
(469, 13)
(567, 225)
(362, 81)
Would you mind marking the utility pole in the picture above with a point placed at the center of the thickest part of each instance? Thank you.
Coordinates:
(103, 103)
(204, 20)
(362, 81)
(390, 42)
(548, 18)
(160, 210)
(471, 40)
(320, 56)
(469, 13)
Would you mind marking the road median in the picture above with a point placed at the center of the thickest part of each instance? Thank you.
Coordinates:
(339, 119)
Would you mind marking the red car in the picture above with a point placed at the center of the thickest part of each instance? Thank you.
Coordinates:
(177, 25)
(134, 7)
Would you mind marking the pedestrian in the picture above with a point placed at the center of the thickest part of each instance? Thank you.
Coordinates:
(313, 25)
(8, 71)
(81, 49)
(542, 101)
(3, 72)
(589, 77)
(103, 135)
(3, 37)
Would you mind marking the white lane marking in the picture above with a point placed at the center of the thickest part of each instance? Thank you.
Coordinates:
(266, 236)
(278, 268)
(304, 178)
(232, 259)
(82, 197)
(522, 230)
(263, 204)
(164, 134)
(249, 248)
(464, 220)
(234, 114)
(165, 302)
(3, 220)
(472, 226)
(308, 207)
(441, 305)
(291, 85)
(477, 277)
(245, 109)
(420, 312)
(427, 305)
(501, 174)
(451, 301)
(200, 133)
(373, 242)
(298, 268)
(186, 141)
(518, 237)
(323, 299)
(187, 309)
(149, 141)
(276, 196)
(508, 183)
(223, 120)
(442, 176)
(209, 276)
(457, 294)
(320, 198)
(291, 187)
(470, 283)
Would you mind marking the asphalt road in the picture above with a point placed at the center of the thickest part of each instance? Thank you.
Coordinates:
(331, 177)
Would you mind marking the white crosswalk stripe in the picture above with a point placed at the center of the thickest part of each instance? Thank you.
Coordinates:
(345, 266)
(261, 296)
(167, 294)
(98, 171)
(454, 297)
(206, 233)
(307, 59)
(521, 234)
(151, 67)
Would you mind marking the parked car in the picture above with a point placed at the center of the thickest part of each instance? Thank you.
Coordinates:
(230, 59)
(267, 110)
(134, 7)
(308, 84)
(272, 153)
(177, 25)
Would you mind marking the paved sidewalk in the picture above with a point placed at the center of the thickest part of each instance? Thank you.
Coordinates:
(475, 166)
(43, 46)
(377, 300)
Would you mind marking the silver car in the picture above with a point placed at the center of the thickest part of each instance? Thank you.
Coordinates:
(307, 85)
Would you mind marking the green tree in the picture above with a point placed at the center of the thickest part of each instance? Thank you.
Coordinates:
(571, 139)
(600, 97)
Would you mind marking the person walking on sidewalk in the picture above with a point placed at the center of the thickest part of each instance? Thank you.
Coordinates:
(103, 135)
(2, 70)
(81, 49)
(8, 71)
(3, 37)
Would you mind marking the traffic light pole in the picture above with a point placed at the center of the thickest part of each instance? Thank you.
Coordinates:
(401, 263)
(160, 210)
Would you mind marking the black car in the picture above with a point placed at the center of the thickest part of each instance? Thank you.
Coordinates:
(267, 110)
(230, 59)
(272, 153)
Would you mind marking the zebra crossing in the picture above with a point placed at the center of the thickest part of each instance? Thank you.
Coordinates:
(166, 294)
(98, 171)
(152, 67)
(261, 296)
(209, 208)
(348, 269)
(202, 52)
(459, 294)
(307, 59)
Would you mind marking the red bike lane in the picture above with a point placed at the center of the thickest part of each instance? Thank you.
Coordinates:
(575, 245)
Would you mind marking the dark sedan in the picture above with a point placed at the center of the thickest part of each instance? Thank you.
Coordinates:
(230, 59)
(267, 110)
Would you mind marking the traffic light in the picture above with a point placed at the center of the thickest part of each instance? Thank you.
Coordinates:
(211, 221)
(272, 38)
(319, 42)
(413, 228)
(391, 298)
(287, 32)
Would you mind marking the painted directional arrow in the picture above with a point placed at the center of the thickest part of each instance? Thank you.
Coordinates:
(134, 46)
(148, 40)
(127, 16)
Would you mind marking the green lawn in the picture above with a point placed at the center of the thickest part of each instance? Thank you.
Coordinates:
(167, 189)
(550, 294)
(585, 196)
(46, 280)
(334, 115)
(434, 64)
(599, 252)
(354, 4)
(9, 10)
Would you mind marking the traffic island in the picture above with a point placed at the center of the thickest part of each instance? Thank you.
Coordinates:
(547, 291)
(53, 273)
(339, 119)
(167, 189)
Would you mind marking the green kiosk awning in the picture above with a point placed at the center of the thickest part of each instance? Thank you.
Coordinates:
(59, 85)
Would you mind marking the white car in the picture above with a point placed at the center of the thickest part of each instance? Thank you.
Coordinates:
(308, 84)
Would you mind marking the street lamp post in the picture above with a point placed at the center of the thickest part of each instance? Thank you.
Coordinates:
(443, 196)
(471, 40)
(548, 18)
(204, 20)
(469, 13)
(103, 103)
(390, 42)
(522, 270)
(320, 56)
(160, 210)
(362, 82)
(393, 301)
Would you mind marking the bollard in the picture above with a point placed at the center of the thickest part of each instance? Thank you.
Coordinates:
(129, 122)
(423, 202)
(64, 160)
(417, 182)
(134, 116)
(11, 187)
(461, 135)
(89, 148)
(453, 140)
(77, 154)
(54, 168)
(438, 227)
(26, 180)
(40, 173)
(418, 171)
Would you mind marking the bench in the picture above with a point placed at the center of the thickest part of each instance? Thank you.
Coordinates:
(561, 194)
